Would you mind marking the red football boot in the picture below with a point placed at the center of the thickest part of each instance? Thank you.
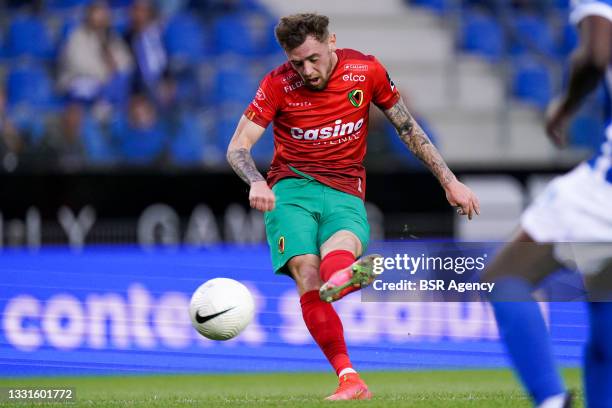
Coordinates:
(350, 387)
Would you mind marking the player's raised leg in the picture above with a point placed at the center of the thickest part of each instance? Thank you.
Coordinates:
(325, 327)
(515, 270)
(340, 271)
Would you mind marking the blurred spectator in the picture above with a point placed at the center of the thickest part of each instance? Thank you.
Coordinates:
(12, 143)
(144, 37)
(95, 61)
(64, 141)
(141, 136)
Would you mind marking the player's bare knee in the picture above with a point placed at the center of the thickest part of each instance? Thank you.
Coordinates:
(345, 240)
(305, 272)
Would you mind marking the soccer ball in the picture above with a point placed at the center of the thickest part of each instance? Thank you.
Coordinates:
(221, 308)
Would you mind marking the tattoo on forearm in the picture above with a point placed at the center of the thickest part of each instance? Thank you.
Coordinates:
(417, 141)
(243, 164)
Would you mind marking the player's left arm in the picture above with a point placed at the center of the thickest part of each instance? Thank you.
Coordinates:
(588, 65)
(457, 193)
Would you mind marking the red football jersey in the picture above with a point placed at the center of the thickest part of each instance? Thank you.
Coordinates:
(323, 133)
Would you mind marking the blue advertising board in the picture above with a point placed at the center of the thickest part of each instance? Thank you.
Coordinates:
(111, 310)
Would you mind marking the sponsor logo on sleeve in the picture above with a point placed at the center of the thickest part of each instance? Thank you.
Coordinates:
(260, 95)
(255, 104)
(250, 114)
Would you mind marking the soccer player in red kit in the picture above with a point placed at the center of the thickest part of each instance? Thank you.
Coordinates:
(313, 199)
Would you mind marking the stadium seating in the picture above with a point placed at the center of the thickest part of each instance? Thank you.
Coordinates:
(531, 82)
(225, 125)
(31, 85)
(482, 34)
(243, 34)
(234, 84)
(227, 119)
(65, 4)
(185, 38)
(568, 41)
(2, 47)
(28, 36)
(119, 3)
(262, 151)
(527, 42)
(188, 144)
(233, 35)
(438, 6)
(561, 5)
(530, 33)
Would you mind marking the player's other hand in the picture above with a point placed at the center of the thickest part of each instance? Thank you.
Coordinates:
(461, 197)
(261, 196)
(556, 122)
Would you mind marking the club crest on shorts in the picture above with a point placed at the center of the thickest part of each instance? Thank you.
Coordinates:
(281, 245)
(355, 97)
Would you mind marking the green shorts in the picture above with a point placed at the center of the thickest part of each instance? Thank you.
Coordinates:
(308, 213)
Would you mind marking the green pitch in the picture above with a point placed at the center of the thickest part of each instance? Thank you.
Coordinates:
(432, 389)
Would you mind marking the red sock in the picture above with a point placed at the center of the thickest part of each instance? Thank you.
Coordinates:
(334, 261)
(326, 329)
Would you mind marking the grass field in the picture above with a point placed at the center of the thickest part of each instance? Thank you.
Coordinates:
(477, 388)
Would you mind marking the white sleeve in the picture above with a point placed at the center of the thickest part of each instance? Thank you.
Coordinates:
(592, 8)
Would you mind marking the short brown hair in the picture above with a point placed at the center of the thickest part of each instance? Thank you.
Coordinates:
(291, 31)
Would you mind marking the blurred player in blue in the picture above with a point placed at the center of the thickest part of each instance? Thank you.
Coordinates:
(575, 209)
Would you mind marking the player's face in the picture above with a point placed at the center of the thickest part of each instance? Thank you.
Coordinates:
(314, 61)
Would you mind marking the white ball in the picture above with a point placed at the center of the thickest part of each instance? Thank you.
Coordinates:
(221, 308)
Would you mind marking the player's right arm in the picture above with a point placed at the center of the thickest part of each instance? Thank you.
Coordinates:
(588, 67)
(239, 157)
(457, 193)
(387, 98)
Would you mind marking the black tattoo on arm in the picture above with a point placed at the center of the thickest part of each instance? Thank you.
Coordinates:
(417, 141)
(243, 164)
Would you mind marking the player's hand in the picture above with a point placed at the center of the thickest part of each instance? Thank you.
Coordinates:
(261, 196)
(461, 197)
(556, 123)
